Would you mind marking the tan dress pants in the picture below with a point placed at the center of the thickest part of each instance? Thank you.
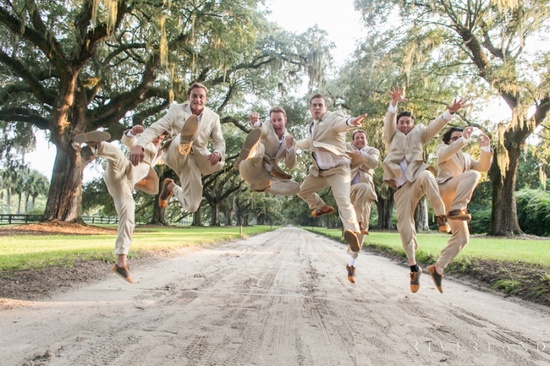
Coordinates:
(253, 170)
(338, 179)
(406, 199)
(189, 192)
(120, 177)
(456, 194)
(362, 197)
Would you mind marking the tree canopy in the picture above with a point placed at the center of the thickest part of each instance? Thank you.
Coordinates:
(71, 66)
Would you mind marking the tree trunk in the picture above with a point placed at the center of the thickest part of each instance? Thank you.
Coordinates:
(421, 216)
(197, 220)
(8, 200)
(504, 216)
(159, 214)
(27, 206)
(385, 210)
(19, 204)
(229, 217)
(65, 194)
(215, 215)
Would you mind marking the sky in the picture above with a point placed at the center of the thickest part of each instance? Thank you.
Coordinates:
(338, 18)
(343, 25)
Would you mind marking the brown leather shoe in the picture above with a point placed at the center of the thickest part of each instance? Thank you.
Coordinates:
(325, 210)
(261, 186)
(352, 240)
(461, 214)
(415, 280)
(436, 277)
(123, 272)
(166, 193)
(443, 224)
(351, 273)
(362, 230)
(188, 131)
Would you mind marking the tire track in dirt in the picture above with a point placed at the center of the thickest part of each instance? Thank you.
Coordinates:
(280, 298)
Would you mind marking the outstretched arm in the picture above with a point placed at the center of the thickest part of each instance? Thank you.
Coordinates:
(130, 140)
(397, 95)
(437, 124)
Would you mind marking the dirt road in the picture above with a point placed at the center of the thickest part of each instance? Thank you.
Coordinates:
(280, 298)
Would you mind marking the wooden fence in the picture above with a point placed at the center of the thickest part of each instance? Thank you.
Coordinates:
(6, 219)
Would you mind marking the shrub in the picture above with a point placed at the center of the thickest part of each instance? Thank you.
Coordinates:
(533, 207)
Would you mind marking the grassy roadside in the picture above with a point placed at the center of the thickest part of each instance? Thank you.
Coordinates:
(38, 260)
(23, 252)
(34, 264)
(516, 267)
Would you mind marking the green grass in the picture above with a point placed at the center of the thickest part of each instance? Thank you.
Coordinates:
(20, 252)
(535, 252)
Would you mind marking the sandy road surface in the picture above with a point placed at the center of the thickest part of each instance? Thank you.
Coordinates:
(280, 298)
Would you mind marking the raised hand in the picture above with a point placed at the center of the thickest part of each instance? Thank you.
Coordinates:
(457, 104)
(484, 140)
(467, 133)
(397, 95)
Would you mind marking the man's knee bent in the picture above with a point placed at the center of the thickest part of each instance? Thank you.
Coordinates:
(425, 175)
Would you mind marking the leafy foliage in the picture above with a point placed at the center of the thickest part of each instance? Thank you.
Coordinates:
(71, 66)
(534, 211)
(481, 49)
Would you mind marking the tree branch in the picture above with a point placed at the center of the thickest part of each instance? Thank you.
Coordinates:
(24, 115)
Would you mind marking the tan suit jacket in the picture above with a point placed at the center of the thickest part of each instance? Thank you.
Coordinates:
(370, 156)
(273, 153)
(451, 161)
(209, 129)
(329, 134)
(409, 147)
(150, 183)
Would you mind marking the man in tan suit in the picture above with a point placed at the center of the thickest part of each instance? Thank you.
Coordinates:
(458, 176)
(193, 125)
(405, 170)
(363, 192)
(330, 166)
(121, 178)
(268, 143)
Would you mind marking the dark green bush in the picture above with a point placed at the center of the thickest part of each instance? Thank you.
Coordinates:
(533, 206)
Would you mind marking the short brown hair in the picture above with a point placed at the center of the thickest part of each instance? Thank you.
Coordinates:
(277, 110)
(404, 114)
(317, 96)
(197, 85)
